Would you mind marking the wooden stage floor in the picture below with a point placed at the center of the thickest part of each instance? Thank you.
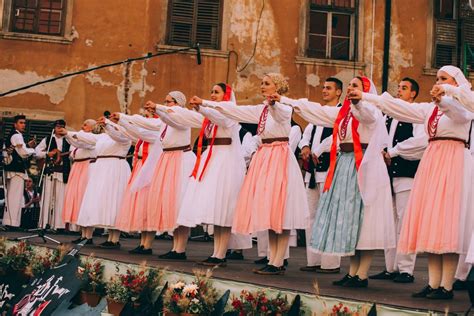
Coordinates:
(383, 292)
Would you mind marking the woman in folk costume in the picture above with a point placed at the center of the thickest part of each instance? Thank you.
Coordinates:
(220, 169)
(437, 216)
(354, 215)
(132, 216)
(272, 196)
(462, 92)
(108, 177)
(81, 155)
(171, 175)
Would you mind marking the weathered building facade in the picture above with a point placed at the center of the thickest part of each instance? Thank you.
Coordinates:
(306, 40)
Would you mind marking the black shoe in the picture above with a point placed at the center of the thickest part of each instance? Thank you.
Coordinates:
(78, 240)
(256, 270)
(89, 241)
(328, 271)
(404, 277)
(264, 260)
(310, 268)
(173, 255)
(110, 245)
(272, 270)
(140, 250)
(424, 292)
(356, 282)
(342, 281)
(384, 275)
(459, 285)
(285, 262)
(441, 294)
(213, 262)
(208, 262)
(234, 255)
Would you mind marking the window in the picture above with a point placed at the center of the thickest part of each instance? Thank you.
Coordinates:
(38, 16)
(454, 34)
(331, 31)
(195, 21)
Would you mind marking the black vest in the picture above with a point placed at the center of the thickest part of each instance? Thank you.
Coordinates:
(401, 167)
(18, 164)
(65, 166)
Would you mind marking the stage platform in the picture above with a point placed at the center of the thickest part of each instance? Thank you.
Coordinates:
(391, 298)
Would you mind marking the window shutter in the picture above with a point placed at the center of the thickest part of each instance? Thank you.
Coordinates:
(208, 22)
(446, 39)
(38, 16)
(181, 22)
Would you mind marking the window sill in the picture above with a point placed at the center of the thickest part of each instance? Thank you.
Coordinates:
(434, 71)
(300, 60)
(204, 51)
(36, 37)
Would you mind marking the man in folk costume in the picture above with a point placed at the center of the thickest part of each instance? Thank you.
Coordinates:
(438, 219)
(16, 171)
(272, 197)
(171, 175)
(315, 146)
(407, 144)
(355, 213)
(55, 151)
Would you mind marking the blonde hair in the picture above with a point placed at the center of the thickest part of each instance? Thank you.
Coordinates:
(90, 122)
(280, 82)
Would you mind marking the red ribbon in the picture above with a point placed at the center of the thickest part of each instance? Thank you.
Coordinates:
(346, 115)
(206, 127)
(433, 122)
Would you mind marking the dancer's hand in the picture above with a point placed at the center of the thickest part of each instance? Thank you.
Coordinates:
(315, 159)
(386, 158)
(115, 117)
(150, 106)
(305, 152)
(195, 100)
(275, 97)
(101, 121)
(437, 91)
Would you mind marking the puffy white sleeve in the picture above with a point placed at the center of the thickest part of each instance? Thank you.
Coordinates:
(281, 113)
(464, 96)
(168, 119)
(313, 112)
(306, 138)
(215, 116)
(239, 113)
(411, 148)
(84, 137)
(137, 132)
(77, 143)
(365, 113)
(182, 117)
(151, 124)
(415, 113)
(20, 146)
(295, 137)
(118, 133)
(453, 109)
(40, 150)
(324, 146)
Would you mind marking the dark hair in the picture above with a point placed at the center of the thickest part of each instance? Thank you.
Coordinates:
(336, 81)
(16, 118)
(414, 85)
(222, 85)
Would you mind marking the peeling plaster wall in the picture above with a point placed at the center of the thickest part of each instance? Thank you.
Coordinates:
(112, 30)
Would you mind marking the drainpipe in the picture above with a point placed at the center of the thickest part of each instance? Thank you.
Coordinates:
(386, 44)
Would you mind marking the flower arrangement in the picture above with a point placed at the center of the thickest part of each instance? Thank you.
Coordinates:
(91, 274)
(259, 304)
(18, 257)
(116, 291)
(197, 297)
(141, 284)
(39, 263)
(342, 310)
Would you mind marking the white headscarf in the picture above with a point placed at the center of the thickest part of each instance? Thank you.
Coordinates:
(179, 97)
(458, 75)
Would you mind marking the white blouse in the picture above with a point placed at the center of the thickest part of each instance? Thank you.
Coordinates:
(455, 122)
(278, 122)
(80, 150)
(104, 144)
(465, 96)
(325, 116)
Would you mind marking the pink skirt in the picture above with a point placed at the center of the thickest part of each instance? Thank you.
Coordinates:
(261, 204)
(132, 216)
(75, 189)
(165, 187)
(432, 219)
